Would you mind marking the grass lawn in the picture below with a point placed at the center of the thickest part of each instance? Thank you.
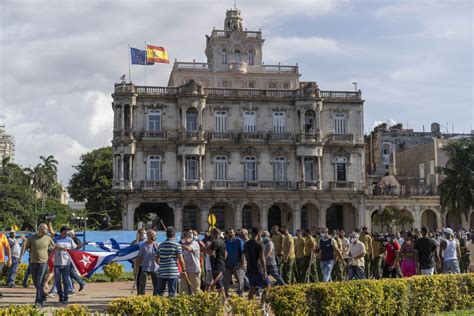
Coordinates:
(456, 313)
(100, 277)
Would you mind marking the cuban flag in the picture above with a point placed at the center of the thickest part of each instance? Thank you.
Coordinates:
(87, 263)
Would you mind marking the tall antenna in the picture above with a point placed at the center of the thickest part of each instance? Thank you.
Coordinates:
(235, 4)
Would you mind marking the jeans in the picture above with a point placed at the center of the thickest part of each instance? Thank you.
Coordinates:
(356, 273)
(239, 274)
(300, 270)
(38, 273)
(62, 281)
(326, 269)
(288, 271)
(367, 266)
(154, 280)
(172, 285)
(74, 277)
(12, 272)
(27, 275)
(451, 266)
(273, 271)
(377, 268)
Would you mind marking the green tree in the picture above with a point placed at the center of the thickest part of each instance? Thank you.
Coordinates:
(386, 217)
(402, 219)
(456, 191)
(92, 183)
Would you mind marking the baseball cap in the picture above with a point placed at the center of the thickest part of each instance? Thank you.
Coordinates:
(64, 228)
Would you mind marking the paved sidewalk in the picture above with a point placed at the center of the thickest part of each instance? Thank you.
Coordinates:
(95, 296)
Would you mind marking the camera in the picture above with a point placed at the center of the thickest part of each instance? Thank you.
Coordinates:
(49, 217)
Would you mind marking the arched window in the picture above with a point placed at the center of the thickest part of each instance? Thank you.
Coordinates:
(224, 55)
(341, 163)
(191, 119)
(309, 121)
(251, 57)
(154, 168)
(220, 168)
(191, 168)
(286, 85)
(279, 169)
(250, 169)
(220, 121)
(272, 85)
(279, 122)
(154, 120)
(339, 123)
(252, 84)
(237, 56)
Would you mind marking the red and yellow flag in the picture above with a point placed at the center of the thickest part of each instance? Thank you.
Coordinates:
(156, 54)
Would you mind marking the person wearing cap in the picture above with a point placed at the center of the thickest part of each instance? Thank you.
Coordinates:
(62, 264)
(15, 251)
(449, 252)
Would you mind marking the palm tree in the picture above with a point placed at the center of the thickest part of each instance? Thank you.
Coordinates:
(48, 176)
(456, 191)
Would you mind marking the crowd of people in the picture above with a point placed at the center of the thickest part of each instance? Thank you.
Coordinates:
(236, 259)
(245, 261)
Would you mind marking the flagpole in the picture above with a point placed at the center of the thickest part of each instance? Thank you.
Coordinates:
(146, 61)
(129, 63)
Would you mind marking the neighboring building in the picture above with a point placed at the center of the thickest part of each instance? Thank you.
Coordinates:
(7, 145)
(76, 205)
(246, 141)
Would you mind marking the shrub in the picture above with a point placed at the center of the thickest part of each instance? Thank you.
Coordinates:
(72, 310)
(113, 271)
(20, 310)
(419, 295)
(20, 274)
(240, 306)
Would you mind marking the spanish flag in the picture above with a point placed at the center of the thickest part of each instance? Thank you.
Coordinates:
(156, 54)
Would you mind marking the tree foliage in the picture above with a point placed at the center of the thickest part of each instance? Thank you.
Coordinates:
(392, 216)
(92, 183)
(456, 191)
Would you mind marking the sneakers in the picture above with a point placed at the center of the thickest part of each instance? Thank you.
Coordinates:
(72, 293)
(81, 286)
(51, 294)
(63, 302)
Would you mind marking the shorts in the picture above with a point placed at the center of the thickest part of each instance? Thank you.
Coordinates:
(258, 280)
(218, 282)
(51, 262)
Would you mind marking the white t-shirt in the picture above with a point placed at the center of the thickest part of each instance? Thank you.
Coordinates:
(355, 250)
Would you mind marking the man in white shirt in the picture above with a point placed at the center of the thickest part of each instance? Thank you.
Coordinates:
(190, 283)
(356, 258)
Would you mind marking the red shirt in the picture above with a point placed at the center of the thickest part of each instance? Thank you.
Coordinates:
(391, 248)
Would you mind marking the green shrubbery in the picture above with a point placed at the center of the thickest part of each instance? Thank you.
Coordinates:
(72, 310)
(114, 271)
(418, 295)
(204, 303)
(19, 310)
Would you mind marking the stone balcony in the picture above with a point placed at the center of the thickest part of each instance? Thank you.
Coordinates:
(192, 66)
(341, 185)
(190, 185)
(280, 69)
(248, 34)
(340, 139)
(280, 138)
(308, 185)
(250, 185)
(255, 137)
(238, 68)
(196, 136)
(122, 185)
(308, 137)
(221, 136)
(155, 135)
(154, 185)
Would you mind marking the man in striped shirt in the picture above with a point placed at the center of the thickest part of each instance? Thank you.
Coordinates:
(168, 254)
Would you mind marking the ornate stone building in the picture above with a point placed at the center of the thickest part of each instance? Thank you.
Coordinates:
(246, 141)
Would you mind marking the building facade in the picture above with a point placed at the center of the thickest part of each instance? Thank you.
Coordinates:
(7, 145)
(245, 141)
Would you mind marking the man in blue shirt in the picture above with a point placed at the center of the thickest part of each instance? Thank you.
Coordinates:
(234, 263)
(169, 253)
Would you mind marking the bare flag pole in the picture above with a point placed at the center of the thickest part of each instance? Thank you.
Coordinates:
(129, 63)
(146, 61)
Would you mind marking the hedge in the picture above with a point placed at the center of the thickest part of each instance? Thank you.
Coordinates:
(30, 310)
(203, 303)
(419, 295)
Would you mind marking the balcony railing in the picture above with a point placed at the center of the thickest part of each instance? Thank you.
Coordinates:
(154, 185)
(341, 95)
(191, 136)
(278, 137)
(248, 34)
(252, 93)
(189, 184)
(240, 68)
(340, 138)
(192, 66)
(221, 136)
(278, 185)
(253, 137)
(123, 184)
(308, 185)
(310, 137)
(155, 135)
(227, 184)
(157, 90)
(281, 69)
(341, 185)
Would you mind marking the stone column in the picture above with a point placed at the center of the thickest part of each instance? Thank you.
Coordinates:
(130, 118)
(320, 180)
(264, 217)
(200, 184)
(131, 206)
(302, 169)
(322, 214)
(238, 215)
(121, 166)
(122, 118)
(417, 219)
(199, 119)
(130, 169)
(178, 218)
(183, 171)
(124, 219)
(296, 218)
(204, 215)
(361, 214)
(465, 222)
(183, 118)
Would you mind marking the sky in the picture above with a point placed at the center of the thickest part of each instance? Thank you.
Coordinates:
(59, 59)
